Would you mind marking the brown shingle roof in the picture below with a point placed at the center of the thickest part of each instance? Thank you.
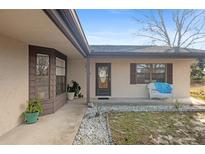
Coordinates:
(141, 49)
(144, 51)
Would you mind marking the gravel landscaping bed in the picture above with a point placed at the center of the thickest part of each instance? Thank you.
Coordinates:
(94, 129)
(149, 108)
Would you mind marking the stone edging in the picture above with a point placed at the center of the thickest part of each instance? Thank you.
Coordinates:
(79, 128)
(152, 108)
(108, 130)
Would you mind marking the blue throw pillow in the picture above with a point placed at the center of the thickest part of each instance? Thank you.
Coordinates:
(163, 87)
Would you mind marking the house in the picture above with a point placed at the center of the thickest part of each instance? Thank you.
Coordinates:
(133, 67)
(42, 50)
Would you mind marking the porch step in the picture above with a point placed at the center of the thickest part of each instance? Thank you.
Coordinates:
(133, 103)
(146, 102)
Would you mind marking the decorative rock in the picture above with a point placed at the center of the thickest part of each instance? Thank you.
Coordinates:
(91, 105)
(93, 130)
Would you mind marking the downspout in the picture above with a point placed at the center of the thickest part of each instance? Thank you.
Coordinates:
(88, 80)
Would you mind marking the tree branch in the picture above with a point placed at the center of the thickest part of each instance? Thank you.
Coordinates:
(189, 27)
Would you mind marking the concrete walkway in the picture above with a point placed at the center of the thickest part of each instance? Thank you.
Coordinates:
(58, 128)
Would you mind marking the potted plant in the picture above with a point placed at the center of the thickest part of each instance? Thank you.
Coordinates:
(33, 110)
(77, 89)
(74, 90)
(71, 92)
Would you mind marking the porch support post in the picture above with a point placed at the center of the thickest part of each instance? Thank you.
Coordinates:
(88, 79)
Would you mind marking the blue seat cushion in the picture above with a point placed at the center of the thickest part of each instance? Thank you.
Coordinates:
(163, 87)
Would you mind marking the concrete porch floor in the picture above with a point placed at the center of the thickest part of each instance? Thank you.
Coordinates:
(58, 128)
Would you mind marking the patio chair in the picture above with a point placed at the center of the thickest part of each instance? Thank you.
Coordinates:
(154, 93)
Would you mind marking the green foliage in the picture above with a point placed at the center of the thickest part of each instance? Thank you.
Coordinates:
(98, 108)
(197, 70)
(203, 97)
(198, 93)
(74, 88)
(178, 105)
(34, 105)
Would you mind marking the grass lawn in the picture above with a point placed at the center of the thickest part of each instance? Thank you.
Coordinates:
(197, 90)
(157, 127)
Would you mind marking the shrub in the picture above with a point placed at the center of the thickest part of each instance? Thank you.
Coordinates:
(178, 105)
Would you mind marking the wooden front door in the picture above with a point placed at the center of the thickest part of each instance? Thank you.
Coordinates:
(103, 79)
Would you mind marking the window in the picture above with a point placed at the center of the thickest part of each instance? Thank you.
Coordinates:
(158, 73)
(42, 65)
(42, 76)
(146, 73)
(143, 73)
(60, 76)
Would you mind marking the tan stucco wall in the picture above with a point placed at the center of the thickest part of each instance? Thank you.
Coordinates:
(13, 82)
(181, 78)
(120, 78)
(77, 72)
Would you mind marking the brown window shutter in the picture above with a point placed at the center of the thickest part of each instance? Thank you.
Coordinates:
(170, 73)
(132, 73)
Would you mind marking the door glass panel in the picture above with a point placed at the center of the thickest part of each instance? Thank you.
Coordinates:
(102, 77)
(42, 76)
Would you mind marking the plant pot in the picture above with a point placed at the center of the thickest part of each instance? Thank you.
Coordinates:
(31, 117)
(71, 95)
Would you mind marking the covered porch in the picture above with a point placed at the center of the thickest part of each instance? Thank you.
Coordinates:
(58, 128)
(27, 37)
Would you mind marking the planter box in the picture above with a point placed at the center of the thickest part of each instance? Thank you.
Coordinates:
(31, 117)
(71, 95)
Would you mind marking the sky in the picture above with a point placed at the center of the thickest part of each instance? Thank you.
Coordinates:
(117, 27)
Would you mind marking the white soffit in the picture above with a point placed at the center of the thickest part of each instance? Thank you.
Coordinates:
(36, 28)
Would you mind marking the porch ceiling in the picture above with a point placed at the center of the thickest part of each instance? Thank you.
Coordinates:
(35, 27)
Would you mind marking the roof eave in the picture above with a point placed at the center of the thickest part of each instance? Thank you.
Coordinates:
(145, 55)
(69, 24)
